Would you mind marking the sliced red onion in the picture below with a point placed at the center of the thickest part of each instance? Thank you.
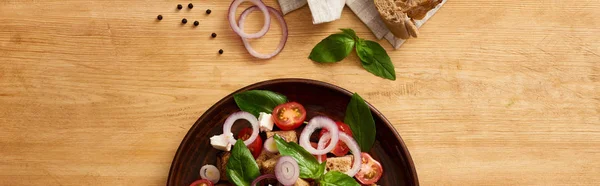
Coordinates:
(282, 41)
(287, 170)
(322, 141)
(352, 145)
(262, 177)
(270, 145)
(234, 26)
(211, 173)
(241, 115)
(317, 123)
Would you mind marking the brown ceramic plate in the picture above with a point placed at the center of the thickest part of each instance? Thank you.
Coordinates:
(319, 98)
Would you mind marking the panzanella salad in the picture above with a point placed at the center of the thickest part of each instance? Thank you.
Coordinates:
(277, 148)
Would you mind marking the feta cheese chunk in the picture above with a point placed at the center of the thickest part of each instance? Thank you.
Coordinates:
(326, 10)
(221, 142)
(265, 122)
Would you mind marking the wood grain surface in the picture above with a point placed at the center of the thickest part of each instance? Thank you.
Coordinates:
(492, 92)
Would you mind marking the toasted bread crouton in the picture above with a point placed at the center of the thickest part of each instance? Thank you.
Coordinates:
(288, 135)
(301, 182)
(341, 164)
(222, 164)
(263, 156)
(268, 166)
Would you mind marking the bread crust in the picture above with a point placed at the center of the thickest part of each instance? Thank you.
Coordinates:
(399, 15)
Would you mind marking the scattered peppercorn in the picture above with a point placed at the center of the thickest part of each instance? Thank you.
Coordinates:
(208, 11)
(184, 21)
(179, 6)
(196, 23)
(213, 35)
(220, 51)
(159, 17)
(190, 6)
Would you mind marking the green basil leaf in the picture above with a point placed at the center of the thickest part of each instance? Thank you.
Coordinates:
(256, 101)
(241, 166)
(375, 59)
(309, 166)
(350, 32)
(332, 49)
(336, 178)
(360, 120)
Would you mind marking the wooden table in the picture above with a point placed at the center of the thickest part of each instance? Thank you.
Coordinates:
(492, 93)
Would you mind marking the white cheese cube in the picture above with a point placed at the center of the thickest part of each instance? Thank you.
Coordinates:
(265, 122)
(221, 142)
(326, 10)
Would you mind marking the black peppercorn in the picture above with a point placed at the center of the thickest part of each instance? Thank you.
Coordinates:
(179, 6)
(208, 11)
(220, 51)
(184, 21)
(213, 35)
(190, 6)
(196, 23)
(159, 17)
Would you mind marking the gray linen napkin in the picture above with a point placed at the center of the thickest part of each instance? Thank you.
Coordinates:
(290, 5)
(367, 13)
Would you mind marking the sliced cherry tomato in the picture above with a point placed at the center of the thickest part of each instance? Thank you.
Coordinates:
(289, 116)
(254, 147)
(370, 170)
(315, 145)
(202, 182)
(341, 149)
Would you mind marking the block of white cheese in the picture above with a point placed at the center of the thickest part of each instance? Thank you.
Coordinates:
(221, 142)
(326, 10)
(265, 122)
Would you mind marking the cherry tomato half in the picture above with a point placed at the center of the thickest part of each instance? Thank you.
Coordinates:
(202, 182)
(254, 147)
(370, 170)
(289, 116)
(341, 149)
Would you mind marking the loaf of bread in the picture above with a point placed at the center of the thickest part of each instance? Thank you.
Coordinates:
(399, 15)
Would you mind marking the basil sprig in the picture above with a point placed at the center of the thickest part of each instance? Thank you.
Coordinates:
(360, 120)
(309, 166)
(336, 178)
(374, 59)
(241, 166)
(373, 56)
(332, 49)
(256, 101)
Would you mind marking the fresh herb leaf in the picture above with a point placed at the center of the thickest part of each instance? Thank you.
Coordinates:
(309, 166)
(360, 120)
(350, 32)
(332, 49)
(256, 101)
(375, 59)
(241, 166)
(336, 178)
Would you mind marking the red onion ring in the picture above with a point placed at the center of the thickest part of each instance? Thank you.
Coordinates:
(270, 145)
(282, 41)
(317, 123)
(241, 115)
(214, 177)
(322, 141)
(262, 177)
(234, 26)
(352, 145)
(287, 170)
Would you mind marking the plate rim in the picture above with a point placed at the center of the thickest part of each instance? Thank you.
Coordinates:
(253, 86)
